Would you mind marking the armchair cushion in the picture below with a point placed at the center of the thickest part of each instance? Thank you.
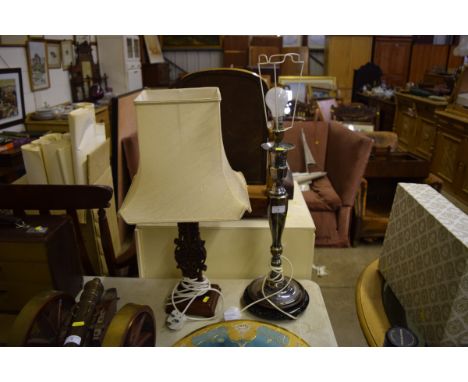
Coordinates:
(316, 136)
(322, 196)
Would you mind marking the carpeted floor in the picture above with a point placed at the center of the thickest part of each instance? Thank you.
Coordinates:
(344, 265)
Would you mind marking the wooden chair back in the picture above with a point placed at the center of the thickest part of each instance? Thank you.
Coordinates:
(47, 198)
(325, 109)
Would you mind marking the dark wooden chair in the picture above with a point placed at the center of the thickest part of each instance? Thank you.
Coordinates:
(368, 74)
(242, 117)
(47, 198)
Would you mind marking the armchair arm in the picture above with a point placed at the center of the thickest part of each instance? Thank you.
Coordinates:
(346, 160)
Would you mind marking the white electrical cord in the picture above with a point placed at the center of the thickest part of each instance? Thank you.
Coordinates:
(188, 290)
(278, 278)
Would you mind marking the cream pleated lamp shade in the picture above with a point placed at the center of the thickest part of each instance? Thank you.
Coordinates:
(183, 175)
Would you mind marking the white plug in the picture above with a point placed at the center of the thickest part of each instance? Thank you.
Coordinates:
(232, 313)
(175, 320)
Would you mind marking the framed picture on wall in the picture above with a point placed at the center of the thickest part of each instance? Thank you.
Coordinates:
(11, 97)
(54, 55)
(153, 48)
(67, 53)
(10, 40)
(82, 39)
(191, 42)
(37, 65)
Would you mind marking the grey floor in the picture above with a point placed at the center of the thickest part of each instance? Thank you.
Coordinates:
(344, 265)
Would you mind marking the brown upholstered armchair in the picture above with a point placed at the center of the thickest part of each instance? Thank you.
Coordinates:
(343, 155)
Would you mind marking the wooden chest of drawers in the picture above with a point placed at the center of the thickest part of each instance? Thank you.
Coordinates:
(34, 262)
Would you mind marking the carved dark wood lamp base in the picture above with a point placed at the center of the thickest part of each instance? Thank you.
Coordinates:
(190, 255)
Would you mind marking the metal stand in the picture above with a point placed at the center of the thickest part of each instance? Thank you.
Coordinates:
(286, 294)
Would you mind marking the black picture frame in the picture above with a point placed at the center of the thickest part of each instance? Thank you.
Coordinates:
(12, 110)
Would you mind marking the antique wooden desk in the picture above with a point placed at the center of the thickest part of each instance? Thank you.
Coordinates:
(313, 325)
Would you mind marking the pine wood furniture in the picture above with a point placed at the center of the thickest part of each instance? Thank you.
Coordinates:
(357, 49)
(415, 123)
(451, 153)
(61, 125)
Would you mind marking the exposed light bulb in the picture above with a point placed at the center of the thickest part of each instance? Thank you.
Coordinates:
(277, 101)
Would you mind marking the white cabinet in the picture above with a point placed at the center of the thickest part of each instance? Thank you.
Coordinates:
(119, 59)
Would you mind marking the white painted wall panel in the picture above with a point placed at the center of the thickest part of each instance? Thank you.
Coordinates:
(193, 61)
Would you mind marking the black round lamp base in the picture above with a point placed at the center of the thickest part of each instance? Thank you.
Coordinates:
(270, 313)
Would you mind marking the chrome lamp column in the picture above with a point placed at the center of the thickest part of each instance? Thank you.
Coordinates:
(277, 296)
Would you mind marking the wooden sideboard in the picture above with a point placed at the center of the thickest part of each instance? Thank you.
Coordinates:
(433, 131)
(450, 160)
(416, 124)
(61, 125)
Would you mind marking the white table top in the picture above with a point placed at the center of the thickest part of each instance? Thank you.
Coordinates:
(313, 325)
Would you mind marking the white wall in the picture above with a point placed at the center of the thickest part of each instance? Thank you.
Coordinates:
(59, 91)
(193, 61)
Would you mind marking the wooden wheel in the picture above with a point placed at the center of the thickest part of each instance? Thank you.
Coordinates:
(40, 321)
(133, 325)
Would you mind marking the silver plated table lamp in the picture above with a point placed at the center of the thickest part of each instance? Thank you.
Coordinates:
(277, 296)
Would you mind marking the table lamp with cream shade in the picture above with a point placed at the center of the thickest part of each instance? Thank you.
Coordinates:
(184, 177)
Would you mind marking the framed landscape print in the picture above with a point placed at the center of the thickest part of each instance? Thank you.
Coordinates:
(37, 65)
(54, 55)
(11, 97)
(67, 53)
